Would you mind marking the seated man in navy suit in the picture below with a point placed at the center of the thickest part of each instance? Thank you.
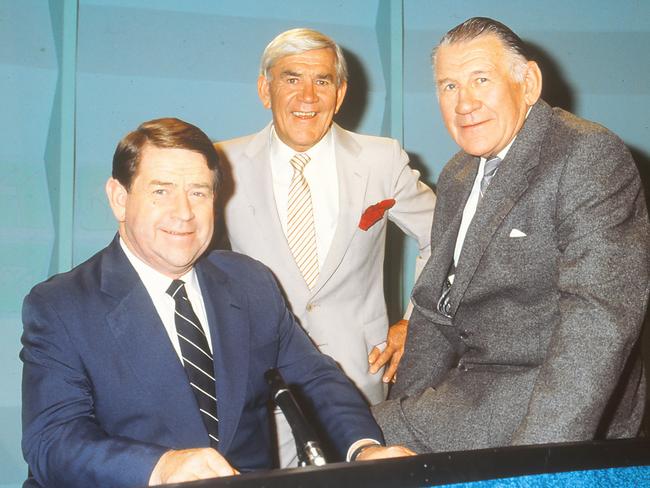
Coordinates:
(145, 364)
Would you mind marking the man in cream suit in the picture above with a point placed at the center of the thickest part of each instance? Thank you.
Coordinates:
(333, 278)
(526, 318)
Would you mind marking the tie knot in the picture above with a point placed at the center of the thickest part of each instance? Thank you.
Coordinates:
(299, 161)
(491, 166)
(177, 289)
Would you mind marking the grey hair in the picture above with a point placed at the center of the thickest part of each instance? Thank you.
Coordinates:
(482, 26)
(297, 41)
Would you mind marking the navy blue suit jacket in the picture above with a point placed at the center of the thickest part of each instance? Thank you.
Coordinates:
(105, 395)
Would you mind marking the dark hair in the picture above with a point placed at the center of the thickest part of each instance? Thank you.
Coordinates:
(482, 26)
(163, 133)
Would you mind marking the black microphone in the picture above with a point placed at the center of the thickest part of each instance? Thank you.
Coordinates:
(309, 451)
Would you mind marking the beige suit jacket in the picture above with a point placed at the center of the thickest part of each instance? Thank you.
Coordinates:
(345, 313)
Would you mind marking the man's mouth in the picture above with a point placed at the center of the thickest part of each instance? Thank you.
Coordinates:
(471, 125)
(304, 115)
(177, 233)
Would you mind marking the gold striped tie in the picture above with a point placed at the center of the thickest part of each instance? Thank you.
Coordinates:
(301, 232)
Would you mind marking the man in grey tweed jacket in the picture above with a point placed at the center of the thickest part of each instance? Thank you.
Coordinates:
(528, 312)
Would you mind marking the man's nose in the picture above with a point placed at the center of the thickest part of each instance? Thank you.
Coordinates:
(309, 93)
(183, 207)
(467, 101)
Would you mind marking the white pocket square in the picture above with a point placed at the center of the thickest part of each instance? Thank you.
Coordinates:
(517, 233)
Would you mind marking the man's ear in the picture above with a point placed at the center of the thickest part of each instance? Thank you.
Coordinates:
(264, 91)
(117, 198)
(532, 83)
(340, 95)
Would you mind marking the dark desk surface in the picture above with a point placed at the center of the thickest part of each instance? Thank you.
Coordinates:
(447, 468)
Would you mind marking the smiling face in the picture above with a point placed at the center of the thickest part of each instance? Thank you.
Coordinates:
(303, 94)
(482, 105)
(167, 216)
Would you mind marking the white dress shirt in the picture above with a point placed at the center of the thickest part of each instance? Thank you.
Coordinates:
(157, 283)
(472, 201)
(471, 204)
(322, 177)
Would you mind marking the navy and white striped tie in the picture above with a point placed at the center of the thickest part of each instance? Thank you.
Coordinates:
(197, 358)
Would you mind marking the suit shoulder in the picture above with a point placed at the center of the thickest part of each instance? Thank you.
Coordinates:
(78, 281)
(457, 162)
(587, 146)
(367, 140)
(238, 266)
(229, 144)
(573, 129)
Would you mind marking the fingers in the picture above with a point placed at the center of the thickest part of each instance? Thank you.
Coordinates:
(219, 465)
(381, 452)
(380, 359)
(190, 465)
(374, 354)
(391, 372)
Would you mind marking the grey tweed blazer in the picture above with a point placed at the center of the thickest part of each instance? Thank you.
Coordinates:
(550, 293)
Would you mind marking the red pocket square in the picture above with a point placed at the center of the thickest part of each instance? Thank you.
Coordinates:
(374, 213)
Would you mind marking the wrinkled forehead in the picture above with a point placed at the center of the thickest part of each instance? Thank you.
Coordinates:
(463, 59)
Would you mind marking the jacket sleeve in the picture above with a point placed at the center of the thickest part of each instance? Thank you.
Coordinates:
(413, 209)
(602, 235)
(62, 442)
(338, 407)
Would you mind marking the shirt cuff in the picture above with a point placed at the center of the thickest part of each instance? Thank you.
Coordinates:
(358, 444)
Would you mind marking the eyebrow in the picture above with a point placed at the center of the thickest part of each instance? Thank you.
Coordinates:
(160, 183)
(170, 184)
(319, 76)
(288, 73)
(201, 185)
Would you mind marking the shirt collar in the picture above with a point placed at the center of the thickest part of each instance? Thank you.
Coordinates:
(283, 152)
(152, 279)
(502, 154)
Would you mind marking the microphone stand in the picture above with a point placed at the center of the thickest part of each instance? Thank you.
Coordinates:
(309, 450)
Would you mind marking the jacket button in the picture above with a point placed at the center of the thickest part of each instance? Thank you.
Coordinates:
(461, 366)
(310, 307)
(464, 335)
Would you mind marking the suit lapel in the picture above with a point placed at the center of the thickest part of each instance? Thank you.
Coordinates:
(446, 226)
(145, 345)
(352, 175)
(229, 330)
(505, 189)
(259, 194)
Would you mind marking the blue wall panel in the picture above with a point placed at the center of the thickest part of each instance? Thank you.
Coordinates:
(139, 59)
(28, 76)
(198, 61)
(593, 55)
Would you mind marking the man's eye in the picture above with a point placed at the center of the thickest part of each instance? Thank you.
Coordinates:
(292, 81)
(199, 194)
(481, 80)
(159, 191)
(449, 87)
(322, 82)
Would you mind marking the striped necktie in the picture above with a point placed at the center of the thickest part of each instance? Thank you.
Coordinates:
(197, 359)
(490, 169)
(301, 232)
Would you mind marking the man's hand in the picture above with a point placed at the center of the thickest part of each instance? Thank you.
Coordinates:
(393, 351)
(381, 452)
(190, 465)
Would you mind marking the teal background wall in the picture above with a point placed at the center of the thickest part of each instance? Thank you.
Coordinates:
(76, 75)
